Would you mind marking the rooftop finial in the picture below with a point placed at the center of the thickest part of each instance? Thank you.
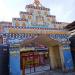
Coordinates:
(37, 2)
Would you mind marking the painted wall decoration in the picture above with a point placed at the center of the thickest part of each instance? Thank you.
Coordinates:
(19, 22)
(68, 64)
(37, 20)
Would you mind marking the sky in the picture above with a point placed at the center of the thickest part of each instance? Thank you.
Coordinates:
(64, 10)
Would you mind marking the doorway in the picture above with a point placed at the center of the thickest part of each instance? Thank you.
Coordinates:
(33, 61)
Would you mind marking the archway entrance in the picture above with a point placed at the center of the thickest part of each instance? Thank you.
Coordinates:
(39, 54)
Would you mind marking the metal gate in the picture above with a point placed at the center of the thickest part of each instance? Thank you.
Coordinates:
(33, 62)
(29, 60)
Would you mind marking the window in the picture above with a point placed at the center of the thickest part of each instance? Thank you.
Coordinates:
(30, 17)
(39, 12)
(46, 13)
(48, 19)
(17, 24)
(23, 17)
(23, 24)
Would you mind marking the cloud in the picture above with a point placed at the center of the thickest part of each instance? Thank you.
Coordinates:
(8, 10)
(63, 9)
(3, 10)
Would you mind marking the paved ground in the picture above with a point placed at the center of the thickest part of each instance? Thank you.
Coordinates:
(57, 73)
(54, 73)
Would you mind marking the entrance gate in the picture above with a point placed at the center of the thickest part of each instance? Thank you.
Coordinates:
(51, 59)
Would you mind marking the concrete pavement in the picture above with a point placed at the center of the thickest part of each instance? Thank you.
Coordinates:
(53, 73)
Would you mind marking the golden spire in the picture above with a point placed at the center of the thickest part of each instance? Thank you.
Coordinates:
(37, 2)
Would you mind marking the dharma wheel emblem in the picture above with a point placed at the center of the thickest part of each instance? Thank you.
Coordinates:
(37, 2)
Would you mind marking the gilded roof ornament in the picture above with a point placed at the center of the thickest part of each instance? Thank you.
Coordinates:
(37, 2)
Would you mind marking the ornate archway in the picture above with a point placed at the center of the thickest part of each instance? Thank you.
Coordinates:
(44, 42)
